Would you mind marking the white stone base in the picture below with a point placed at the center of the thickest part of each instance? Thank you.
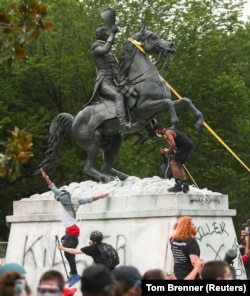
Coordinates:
(137, 219)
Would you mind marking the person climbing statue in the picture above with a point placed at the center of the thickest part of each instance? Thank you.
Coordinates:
(184, 147)
(106, 68)
(72, 230)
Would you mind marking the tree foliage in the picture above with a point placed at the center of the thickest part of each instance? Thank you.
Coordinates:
(18, 150)
(20, 23)
(211, 67)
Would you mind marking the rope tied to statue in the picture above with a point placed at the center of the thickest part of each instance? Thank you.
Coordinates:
(138, 45)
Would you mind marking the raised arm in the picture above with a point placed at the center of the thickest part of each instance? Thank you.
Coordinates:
(104, 195)
(46, 177)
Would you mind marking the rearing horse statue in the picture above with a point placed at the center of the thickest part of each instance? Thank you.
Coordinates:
(96, 127)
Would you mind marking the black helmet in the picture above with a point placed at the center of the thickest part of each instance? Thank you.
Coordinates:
(101, 33)
(96, 236)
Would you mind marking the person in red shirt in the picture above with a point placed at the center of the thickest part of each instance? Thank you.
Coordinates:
(246, 256)
(72, 230)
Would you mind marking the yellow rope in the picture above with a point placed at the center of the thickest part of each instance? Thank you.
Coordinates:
(190, 176)
(137, 44)
(212, 132)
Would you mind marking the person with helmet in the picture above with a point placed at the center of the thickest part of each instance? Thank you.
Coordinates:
(107, 73)
(72, 230)
(96, 238)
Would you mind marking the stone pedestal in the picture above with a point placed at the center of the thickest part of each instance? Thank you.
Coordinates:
(137, 219)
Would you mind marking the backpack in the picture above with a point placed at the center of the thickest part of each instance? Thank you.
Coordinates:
(108, 255)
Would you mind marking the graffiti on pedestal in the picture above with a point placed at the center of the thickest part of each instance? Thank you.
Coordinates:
(214, 237)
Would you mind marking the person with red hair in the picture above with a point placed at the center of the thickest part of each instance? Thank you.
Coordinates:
(185, 248)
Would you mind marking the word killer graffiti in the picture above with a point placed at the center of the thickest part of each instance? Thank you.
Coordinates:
(211, 229)
(214, 240)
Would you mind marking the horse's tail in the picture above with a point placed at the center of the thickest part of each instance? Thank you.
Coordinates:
(59, 127)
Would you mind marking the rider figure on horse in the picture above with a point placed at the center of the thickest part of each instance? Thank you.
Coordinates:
(107, 74)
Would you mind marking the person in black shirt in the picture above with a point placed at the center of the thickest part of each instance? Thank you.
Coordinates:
(184, 247)
(96, 238)
(184, 147)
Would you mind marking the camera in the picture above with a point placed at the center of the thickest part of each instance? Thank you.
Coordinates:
(247, 230)
(230, 255)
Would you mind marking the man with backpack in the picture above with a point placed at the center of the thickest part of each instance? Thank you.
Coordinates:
(101, 252)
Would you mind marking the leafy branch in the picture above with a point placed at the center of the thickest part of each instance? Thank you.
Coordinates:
(20, 24)
(18, 150)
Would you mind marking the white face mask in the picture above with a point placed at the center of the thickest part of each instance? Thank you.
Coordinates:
(158, 135)
(19, 286)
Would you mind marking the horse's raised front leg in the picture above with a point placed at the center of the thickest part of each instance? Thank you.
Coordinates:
(158, 107)
(185, 102)
(110, 153)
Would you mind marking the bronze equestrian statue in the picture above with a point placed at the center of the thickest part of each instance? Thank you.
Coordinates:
(99, 126)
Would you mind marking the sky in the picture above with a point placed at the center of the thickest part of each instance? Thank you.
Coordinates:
(246, 11)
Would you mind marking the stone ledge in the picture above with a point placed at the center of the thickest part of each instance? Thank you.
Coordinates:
(124, 215)
(127, 203)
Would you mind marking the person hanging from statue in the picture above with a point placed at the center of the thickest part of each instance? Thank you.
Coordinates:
(184, 147)
(72, 230)
(107, 74)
